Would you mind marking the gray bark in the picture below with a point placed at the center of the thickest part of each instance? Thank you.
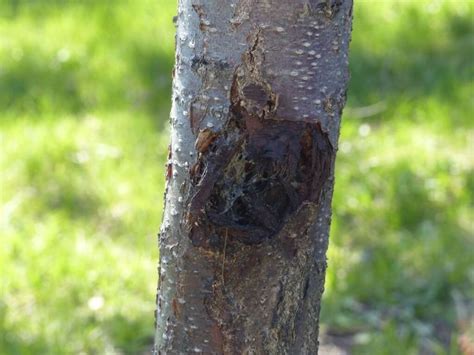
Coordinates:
(258, 91)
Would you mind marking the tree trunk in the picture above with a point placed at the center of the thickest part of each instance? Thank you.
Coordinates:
(259, 87)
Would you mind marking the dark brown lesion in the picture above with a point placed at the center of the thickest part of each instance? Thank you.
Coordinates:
(270, 178)
(251, 177)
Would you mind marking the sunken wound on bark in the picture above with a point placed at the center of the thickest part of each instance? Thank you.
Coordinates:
(255, 173)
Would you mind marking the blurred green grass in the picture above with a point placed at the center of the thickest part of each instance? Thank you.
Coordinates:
(84, 103)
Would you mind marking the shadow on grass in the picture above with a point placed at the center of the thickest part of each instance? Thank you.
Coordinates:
(152, 69)
(38, 84)
(60, 184)
(129, 336)
(413, 66)
(11, 9)
(12, 343)
(116, 72)
(35, 83)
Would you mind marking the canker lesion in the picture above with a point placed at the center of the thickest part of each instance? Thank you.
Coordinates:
(254, 177)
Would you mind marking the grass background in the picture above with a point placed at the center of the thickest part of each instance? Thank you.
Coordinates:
(84, 102)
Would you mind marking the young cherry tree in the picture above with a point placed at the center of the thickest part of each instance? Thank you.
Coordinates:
(258, 91)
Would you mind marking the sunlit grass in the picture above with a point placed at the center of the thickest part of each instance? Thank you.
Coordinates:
(84, 102)
(77, 226)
